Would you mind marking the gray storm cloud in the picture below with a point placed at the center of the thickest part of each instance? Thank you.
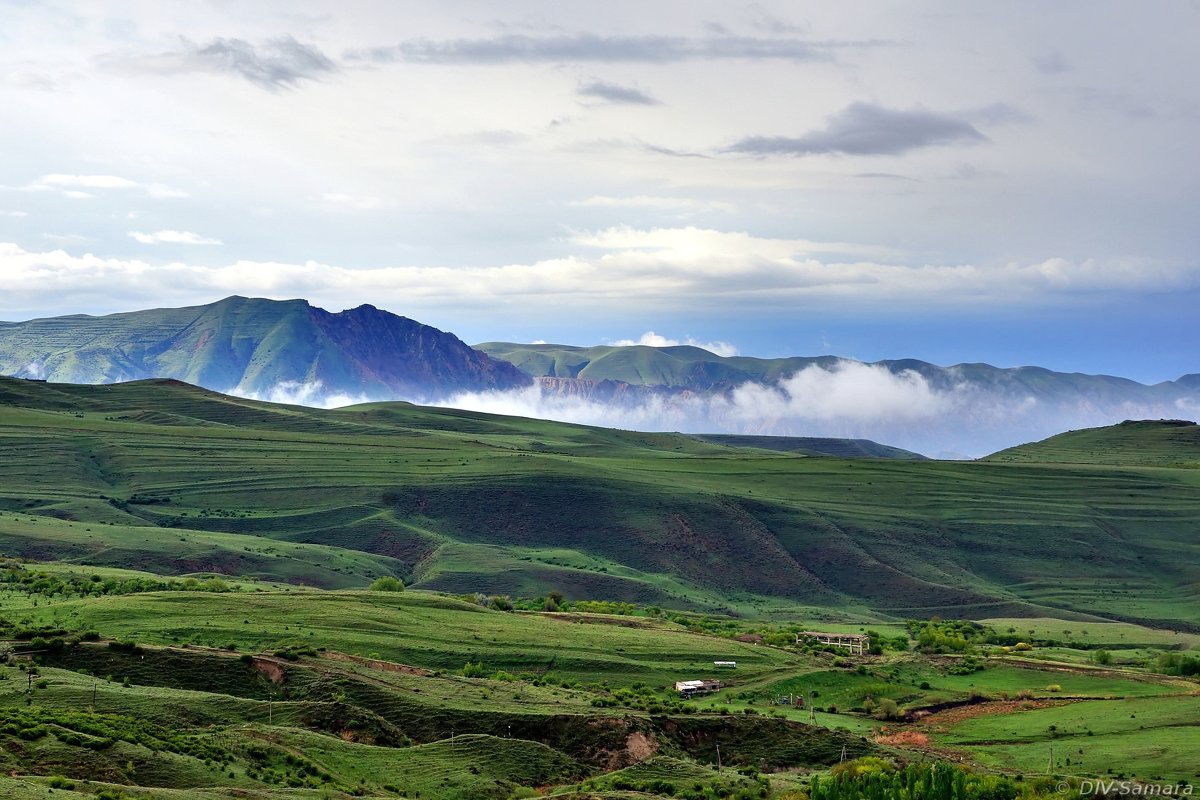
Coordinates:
(865, 129)
(274, 65)
(592, 48)
(616, 94)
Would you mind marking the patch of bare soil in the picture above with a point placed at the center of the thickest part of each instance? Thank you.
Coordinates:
(944, 720)
(272, 669)
(374, 663)
(639, 746)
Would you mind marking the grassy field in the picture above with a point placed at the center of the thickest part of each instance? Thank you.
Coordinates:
(271, 689)
(1152, 739)
(287, 677)
(163, 476)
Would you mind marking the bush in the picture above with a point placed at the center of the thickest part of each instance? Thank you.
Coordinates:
(387, 584)
(888, 709)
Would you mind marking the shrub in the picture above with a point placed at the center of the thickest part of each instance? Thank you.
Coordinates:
(387, 584)
(888, 709)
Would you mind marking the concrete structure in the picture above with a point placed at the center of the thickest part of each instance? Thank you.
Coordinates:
(856, 643)
(690, 688)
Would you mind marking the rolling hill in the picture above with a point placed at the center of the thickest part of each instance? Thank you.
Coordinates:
(255, 346)
(162, 475)
(809, 445)
(1167, 443)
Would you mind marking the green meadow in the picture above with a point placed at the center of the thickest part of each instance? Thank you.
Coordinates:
(185, 609)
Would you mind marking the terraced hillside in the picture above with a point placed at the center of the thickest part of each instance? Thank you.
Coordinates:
(169, 477)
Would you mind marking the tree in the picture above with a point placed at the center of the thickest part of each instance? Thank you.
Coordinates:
(387, 584)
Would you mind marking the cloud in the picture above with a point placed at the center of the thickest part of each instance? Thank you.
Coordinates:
(615, 269)
(71, 185)
(864, 129)
(849, 391)
(844, 399)
(356, 202)
(997, 114)
(592, 48)
(1051, 63)
(680, 204)
(300, 393)
(615, 94)
(274, 65)
(14, 214)
(652, 339)
(25, 78)
(171, 237)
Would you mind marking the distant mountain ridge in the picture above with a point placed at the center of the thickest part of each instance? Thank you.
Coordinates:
(696, 369)
(957, 411)
(256, 346)
(291, 351)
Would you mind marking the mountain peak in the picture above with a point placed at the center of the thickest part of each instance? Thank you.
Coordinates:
(260, 347)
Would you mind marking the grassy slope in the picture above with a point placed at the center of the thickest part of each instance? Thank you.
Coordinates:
(472, 502)
(667, 366)
(1150, 738)
(414, 628)
(808, 445)
(1165, 443)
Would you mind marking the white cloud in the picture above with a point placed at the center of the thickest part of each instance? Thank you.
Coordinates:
(15, 214)
(72, 185)
(300, 393)
(847, 399)
(171, 237)
(652, 339)
(849, 391)
(356, 202)
(691, 241)
(696, 269)
(686, 205)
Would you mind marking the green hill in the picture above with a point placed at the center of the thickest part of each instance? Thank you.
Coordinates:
(811, 445)
(679, 366)
(166, 476)
(1168, 443)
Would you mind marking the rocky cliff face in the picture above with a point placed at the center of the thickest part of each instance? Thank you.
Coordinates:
(407, 358)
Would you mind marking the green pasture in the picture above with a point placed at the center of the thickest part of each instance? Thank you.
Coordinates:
(417, 628)
(463, 502)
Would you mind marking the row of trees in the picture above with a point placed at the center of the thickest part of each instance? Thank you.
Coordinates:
(15, 577)
(873, 778)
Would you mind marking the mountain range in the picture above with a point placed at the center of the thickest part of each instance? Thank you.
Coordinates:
(292, 351)
(255, 346)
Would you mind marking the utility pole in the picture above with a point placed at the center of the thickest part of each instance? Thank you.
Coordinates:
(93, 694)
(271, 709)
(718, 757)
(843, 758)
(1050, 765)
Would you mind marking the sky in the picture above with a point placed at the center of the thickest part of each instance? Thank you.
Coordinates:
(1012, 183)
